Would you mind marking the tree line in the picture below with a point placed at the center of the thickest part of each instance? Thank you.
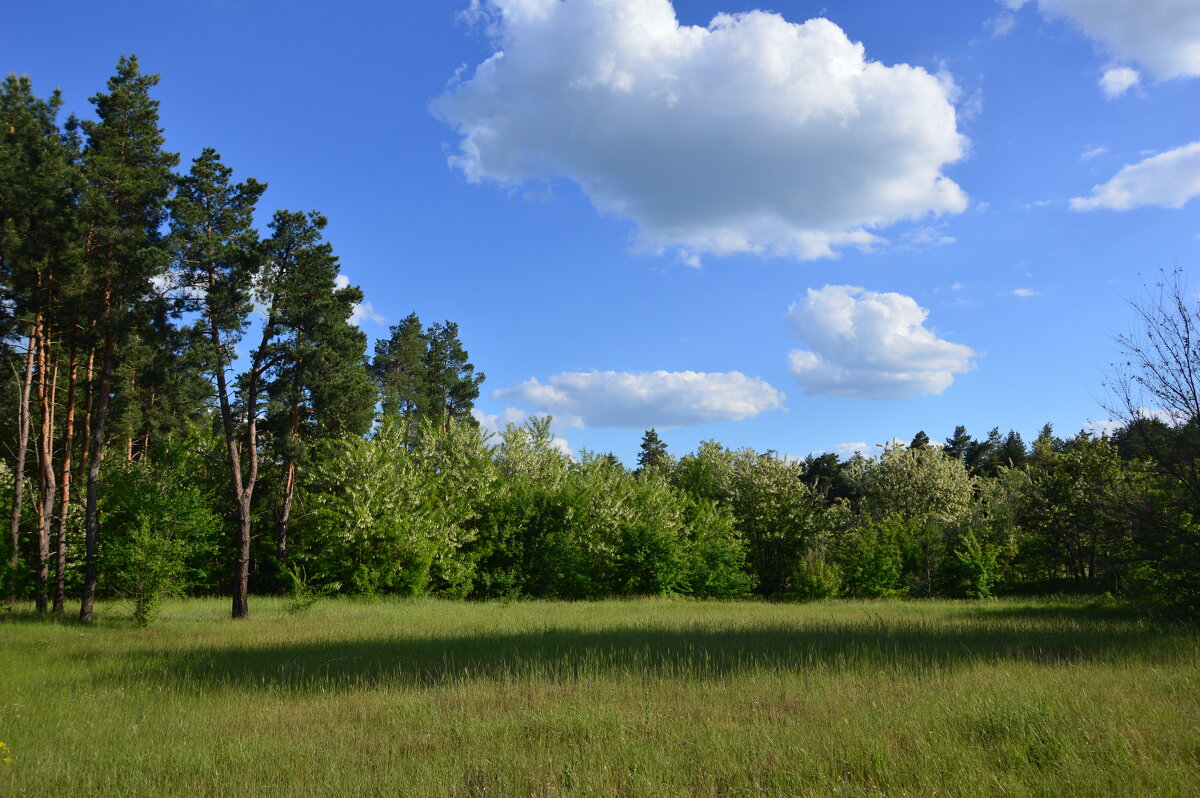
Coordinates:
(127, 290)
(193, 410)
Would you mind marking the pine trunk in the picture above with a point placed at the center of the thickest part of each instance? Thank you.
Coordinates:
(19, 474)
(95, 455)
(48, 485)
(64, 496)
(285, 517)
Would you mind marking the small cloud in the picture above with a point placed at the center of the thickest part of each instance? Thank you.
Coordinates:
(1024, 292)
(1001, 24)
(690, 259)
(1168, 180)
(848, 450)
(870, 345)
(365, 311)
(1091, 152)
(925, 237)
(1042, 203)
(1116, 82)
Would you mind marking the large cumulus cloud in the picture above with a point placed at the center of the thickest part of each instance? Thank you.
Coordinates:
(753, 134)
(646, 399)
(870, 345)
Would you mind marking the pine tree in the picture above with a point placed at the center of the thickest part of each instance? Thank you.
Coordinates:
(919, 441)
(451, 384)
(318, 385)
(39, 271)
(217, 257)
(1012, 452)
(399, 372)
(958, 443)
(128, 179)
(653, 457)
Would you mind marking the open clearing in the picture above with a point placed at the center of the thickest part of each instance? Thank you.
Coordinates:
(620, 698)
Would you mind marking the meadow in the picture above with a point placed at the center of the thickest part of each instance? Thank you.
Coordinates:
(654, 697)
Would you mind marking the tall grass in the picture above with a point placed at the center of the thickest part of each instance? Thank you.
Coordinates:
(621, 698)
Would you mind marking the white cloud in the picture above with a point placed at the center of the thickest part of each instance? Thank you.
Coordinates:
(363, 311)
(1119, 80)
(870, 345)
(751, 135)
(1168, 179)
(648, 399)
(1094, 151)
(847, 450)
(1161, 35)
(1024, 292)
(925, 237)
(1001, 24)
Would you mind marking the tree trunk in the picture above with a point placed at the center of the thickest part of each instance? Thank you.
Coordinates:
(64, 497)
(19, 474)
(285, 517)
(95, 455)
(48, 484)
(243, 489)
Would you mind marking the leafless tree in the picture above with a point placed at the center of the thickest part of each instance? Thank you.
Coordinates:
(1154, 389)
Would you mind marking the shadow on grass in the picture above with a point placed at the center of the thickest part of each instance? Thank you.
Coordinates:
(563, 654)
(1088, 611)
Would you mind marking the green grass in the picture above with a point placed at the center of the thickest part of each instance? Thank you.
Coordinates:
(620, 698)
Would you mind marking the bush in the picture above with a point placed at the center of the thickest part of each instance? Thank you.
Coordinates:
(155, 520)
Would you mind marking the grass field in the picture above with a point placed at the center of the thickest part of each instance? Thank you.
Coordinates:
(621, 698)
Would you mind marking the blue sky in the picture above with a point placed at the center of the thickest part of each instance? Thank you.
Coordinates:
(818, 225)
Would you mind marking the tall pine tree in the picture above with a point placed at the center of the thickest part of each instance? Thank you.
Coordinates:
(128, 179)
(217, 258)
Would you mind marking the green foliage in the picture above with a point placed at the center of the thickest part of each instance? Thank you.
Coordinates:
(156, 523)
(777, 513)
(361, 525)
(302, 594)
(1073, 507)
(871, 560)
(981, 563)
(590, 529)
(714, 551)
(816, 576)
